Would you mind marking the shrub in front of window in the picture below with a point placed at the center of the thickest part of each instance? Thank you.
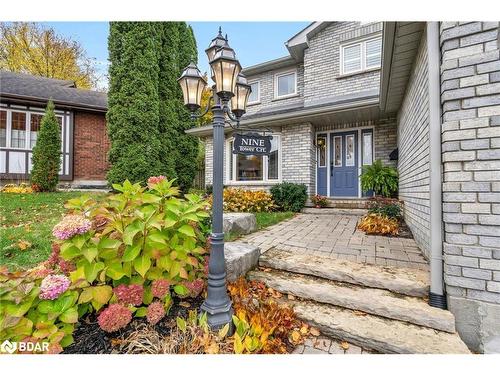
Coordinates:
(239, 200)
(383, 180)
(47, 152)
(289, 196)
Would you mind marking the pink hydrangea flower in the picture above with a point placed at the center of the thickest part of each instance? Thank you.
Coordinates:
(70, 226)
(195, 287)
(155, 313)
(160, 288)
(53, 286)
(129, 294)
(114, 317)
(156, 179)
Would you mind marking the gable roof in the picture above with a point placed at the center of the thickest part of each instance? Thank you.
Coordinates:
(20, 87)
(300, 41)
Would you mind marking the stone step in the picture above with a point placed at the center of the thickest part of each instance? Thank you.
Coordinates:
(377, 333)
(334, 211)
(405, 281)
(378, 302)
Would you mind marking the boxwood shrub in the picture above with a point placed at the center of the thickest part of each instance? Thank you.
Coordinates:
(289, 196)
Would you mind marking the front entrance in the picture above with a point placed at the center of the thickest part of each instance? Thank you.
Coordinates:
(344, 164)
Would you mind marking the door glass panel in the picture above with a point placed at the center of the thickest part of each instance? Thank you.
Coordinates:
(367, 149)
(321, 150)
(337, 151)
(349, 152)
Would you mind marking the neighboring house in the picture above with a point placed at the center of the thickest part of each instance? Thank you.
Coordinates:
(350, 93)
(81, 113)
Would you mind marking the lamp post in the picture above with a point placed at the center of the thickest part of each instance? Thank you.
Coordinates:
(230, 85)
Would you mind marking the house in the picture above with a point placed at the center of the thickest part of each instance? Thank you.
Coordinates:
(349, 93)
(81, 113)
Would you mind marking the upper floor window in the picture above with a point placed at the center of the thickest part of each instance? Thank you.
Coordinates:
(255, 94)
(285, 84)
(360, 56)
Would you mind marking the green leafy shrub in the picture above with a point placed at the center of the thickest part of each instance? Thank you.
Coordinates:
(116, 257)
(388, 207)
(383, 180)
(47, 153)
(289, 196)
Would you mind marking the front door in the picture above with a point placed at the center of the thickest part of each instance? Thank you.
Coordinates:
(344, 164)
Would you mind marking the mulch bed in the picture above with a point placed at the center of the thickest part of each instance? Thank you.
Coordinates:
(404, 231)
(91, 339)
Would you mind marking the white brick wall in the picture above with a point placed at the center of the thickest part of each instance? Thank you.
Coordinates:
(413, 143)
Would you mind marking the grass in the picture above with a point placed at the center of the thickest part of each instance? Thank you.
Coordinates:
(26, 226)
(264, 219)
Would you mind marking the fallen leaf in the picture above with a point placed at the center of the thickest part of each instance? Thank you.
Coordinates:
(184, 304)
(23, 245)
(213, 348)
(314, 331)
(304, 329)
(359, 313)
(344, 345)
(291, 297)
(295, 338)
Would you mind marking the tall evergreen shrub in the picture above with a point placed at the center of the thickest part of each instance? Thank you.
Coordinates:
(47, 152)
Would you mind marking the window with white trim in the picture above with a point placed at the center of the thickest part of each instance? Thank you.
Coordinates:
(255, 94)
(250, 168)
(3, 128)
(285, 84)
(361, 56)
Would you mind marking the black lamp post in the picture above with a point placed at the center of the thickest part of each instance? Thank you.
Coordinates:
(229, 85)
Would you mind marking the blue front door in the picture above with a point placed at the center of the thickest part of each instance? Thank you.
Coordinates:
(344, 164)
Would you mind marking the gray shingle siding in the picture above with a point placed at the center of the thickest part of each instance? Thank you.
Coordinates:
(413, 144)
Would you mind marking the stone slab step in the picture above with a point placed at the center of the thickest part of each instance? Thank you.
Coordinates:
(378, 302)
(406, 281)
(377, 333)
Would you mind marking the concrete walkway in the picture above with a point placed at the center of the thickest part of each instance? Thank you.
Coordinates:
(336, 235)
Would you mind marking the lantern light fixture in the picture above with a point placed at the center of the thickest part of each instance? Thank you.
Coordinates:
(192, 84)
(240, 99)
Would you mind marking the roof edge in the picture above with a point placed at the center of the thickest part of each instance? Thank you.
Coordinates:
(388, 37)
(280, 62)
(43, 101)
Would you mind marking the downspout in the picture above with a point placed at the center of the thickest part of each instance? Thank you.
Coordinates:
(437, 296)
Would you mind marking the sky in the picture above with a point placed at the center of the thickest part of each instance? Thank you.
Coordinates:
(254, 42)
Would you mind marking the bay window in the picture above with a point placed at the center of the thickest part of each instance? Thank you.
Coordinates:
(251, 168)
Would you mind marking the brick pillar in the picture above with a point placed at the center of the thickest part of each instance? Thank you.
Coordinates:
(470, 96)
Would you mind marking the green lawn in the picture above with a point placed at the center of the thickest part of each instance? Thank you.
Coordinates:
(264, 219)
(26, 225)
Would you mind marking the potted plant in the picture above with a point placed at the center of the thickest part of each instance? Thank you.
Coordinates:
(319, 201)
(381, 179)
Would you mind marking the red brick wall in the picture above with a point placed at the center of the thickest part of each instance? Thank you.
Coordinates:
(90, 146)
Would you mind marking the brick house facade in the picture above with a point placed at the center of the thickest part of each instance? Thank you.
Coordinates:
(82, 114)
(431, 91)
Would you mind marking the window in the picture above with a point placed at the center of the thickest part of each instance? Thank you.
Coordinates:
(360, 56)
(18, 130)
(337, 151)
(3, 128)
(285, 84)
(255, 94)
(321, 145)
(250, 168)
(35, 121)
(367, 148)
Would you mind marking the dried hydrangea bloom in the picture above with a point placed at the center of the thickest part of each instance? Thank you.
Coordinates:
(114, 317)
(195, 287)
(70, 226)
(129, 294)
(160, 288)
(155, 313)
(53, 286)
(153, 180)
(55, 261)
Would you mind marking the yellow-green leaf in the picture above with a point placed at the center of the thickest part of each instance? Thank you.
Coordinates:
(142, 265)
(187, 230)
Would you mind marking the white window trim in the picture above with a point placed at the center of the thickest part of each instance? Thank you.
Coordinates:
(265, 180)
(258, 92)
(362, 43)
(280, 74)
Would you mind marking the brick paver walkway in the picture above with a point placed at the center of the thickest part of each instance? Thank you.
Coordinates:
(336, 235)
(324, 345)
